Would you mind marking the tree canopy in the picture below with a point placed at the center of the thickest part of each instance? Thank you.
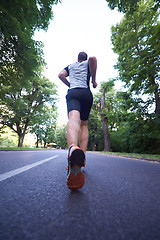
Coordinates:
(133, 117)
(43, 124)
(24, 91)
(19, 106)
(128, 5)
(20, 54)
(130, 127)
(136, 41)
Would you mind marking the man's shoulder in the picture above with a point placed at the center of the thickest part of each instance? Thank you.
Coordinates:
(76, 64)
(72, 65)
(84, 62)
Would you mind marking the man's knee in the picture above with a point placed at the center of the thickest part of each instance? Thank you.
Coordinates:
(74, 115)
(84, 123)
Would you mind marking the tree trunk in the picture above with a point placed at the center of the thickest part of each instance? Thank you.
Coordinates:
(106, 133)
(157, 97)
(45, 142)
(157, 110)
(37, 140)
(20, 140)
(104, 121)
(21, 133)
(93, 145)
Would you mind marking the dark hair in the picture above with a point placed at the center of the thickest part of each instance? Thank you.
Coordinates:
(82, 56)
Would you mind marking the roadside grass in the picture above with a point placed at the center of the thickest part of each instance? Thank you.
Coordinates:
(24, 148)
(133, 155)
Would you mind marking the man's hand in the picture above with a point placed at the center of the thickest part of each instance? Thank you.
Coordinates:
(94, 84)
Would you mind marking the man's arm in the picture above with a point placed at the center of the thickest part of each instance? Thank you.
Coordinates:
(63, 77)
(92, 61)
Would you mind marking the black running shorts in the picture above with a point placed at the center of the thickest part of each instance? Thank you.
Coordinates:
(80, 99)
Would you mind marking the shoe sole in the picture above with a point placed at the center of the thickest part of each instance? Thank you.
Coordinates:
(77, 158)
(76, 178)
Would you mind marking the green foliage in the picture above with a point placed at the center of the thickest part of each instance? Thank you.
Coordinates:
(19, 19)
(128, 5)
(20, 107)
(43, 125)
(109, 113)
(60, 135)
(108, 86)
(132, 129)
(136, 41)
(8, 138)
(27, 15)
(19, 53)
(23, 90)
(137, 135)
(133, 124)
(117, 104)
(96, 138)
(123, 5)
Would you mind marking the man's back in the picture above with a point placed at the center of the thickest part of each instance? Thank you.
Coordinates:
(79, 74)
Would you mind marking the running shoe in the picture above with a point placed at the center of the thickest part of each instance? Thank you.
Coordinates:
(75, 176)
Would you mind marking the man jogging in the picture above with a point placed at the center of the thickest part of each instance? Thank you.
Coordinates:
(79, 102)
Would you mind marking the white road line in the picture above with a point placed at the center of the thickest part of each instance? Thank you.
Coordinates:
(12, 173)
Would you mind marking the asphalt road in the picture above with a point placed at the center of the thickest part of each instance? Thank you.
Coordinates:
(120, 199)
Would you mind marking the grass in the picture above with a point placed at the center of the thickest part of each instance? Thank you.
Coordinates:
(24, 148)
(134, 155)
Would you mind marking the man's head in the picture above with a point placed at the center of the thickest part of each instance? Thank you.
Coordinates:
(82, 56)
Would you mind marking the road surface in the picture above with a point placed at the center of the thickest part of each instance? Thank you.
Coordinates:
(120, 199)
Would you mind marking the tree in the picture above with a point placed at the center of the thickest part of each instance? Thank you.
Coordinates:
(96, 137)
(19, 52)
(43, 125)
(136, 41)
(100, 104)
(60, 134)
(138, 134)
(135, 129)
(23, 90)
(8, 138)
(114, 108)
(128, 5)
(20, 106)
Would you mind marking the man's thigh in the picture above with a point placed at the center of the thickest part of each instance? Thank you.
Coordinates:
(74, 114)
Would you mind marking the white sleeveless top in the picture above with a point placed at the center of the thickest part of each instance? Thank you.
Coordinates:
(79, 74)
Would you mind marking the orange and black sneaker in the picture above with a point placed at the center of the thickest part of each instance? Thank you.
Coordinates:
(76, 160)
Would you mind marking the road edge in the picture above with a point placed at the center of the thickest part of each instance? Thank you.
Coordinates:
(132, 157)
